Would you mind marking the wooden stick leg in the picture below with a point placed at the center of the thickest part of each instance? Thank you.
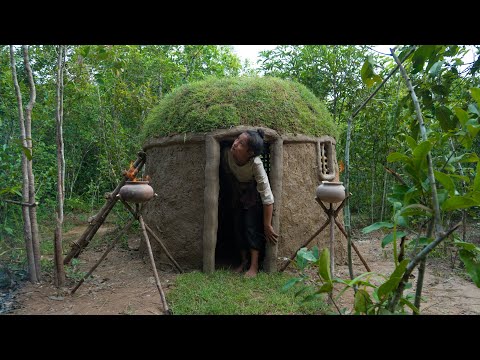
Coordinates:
(166, 310)
(110, 247)
(353, 246)
(164, 248)
(304, 245)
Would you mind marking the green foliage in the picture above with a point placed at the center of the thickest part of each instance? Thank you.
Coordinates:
(373, 290)
(227, 293)
(368, 74)
(285, 106)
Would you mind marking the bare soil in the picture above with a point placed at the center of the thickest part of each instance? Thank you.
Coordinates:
(124, 283)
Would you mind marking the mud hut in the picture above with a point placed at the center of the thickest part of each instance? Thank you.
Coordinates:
(183, 136)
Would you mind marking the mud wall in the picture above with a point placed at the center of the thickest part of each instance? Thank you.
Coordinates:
(177, 176)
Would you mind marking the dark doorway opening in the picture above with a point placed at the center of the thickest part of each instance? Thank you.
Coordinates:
(226, 254)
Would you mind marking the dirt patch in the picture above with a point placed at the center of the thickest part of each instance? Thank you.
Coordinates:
(124, 284)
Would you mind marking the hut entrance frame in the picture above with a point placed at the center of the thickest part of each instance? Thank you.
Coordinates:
(226, 255)
(326, 165)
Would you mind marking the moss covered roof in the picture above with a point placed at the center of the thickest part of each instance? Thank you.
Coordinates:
(285, 106)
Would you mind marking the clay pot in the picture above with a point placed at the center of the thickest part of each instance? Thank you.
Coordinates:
(331, 191)
(136, 191)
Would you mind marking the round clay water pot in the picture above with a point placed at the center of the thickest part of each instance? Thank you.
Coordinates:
(136, 191)
(331, 191)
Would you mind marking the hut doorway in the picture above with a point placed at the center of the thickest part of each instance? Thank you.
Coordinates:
(226, 253)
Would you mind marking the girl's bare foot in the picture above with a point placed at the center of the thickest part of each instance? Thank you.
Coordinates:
(251, 273)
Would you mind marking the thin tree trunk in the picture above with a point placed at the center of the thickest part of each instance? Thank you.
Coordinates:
(31, 178)
(423, 132)
(27, 227)
(347, 158)
(59, 268)
(431, 178)
(346, 214)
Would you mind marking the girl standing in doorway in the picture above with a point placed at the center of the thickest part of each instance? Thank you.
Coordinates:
(252, 199)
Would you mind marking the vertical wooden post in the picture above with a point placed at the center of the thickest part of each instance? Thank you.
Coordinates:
(276, 173)
(210, 200)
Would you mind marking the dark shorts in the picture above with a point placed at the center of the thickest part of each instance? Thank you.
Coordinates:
(248, 227)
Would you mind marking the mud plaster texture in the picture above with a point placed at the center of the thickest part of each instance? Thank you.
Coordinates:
(177, 175)
(301, 216)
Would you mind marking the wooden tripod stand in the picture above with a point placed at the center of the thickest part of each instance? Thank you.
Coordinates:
(136, 216)
(332, 219)
(100, 218)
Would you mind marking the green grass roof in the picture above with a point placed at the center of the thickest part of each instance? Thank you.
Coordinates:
(285, 106)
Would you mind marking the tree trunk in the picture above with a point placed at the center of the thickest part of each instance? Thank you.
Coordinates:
(31, 178)
(27, 227)
(59, 269)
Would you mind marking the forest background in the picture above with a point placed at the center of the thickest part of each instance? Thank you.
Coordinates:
(110, 89)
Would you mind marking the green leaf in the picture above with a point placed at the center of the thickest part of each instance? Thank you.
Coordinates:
(383, 311)
(325, 288)
(422, 149)
(476, 94)
(446, 181)
(27, 152)
(473, 127)
(445, 117)
(368, 75)
(462, 115)
(412, 144)
(389, 238)
(460, 177)
(396, 156)
(467, 246)
(376, 226)
(435, 69)
(311, 297)
(415, 209)
(459, 202)
(420, 56)
(391, 284)
(410, 305)
(324, 266)
(467, 157)
(473, 108)
(306, 254)
(362, 301)
(471, 265)
(290, 283)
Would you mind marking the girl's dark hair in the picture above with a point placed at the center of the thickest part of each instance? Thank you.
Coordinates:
(255, 141)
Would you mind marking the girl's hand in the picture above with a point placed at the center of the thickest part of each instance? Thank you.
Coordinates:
(270, 234)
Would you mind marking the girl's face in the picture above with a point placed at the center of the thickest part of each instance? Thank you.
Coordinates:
(240, 149)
